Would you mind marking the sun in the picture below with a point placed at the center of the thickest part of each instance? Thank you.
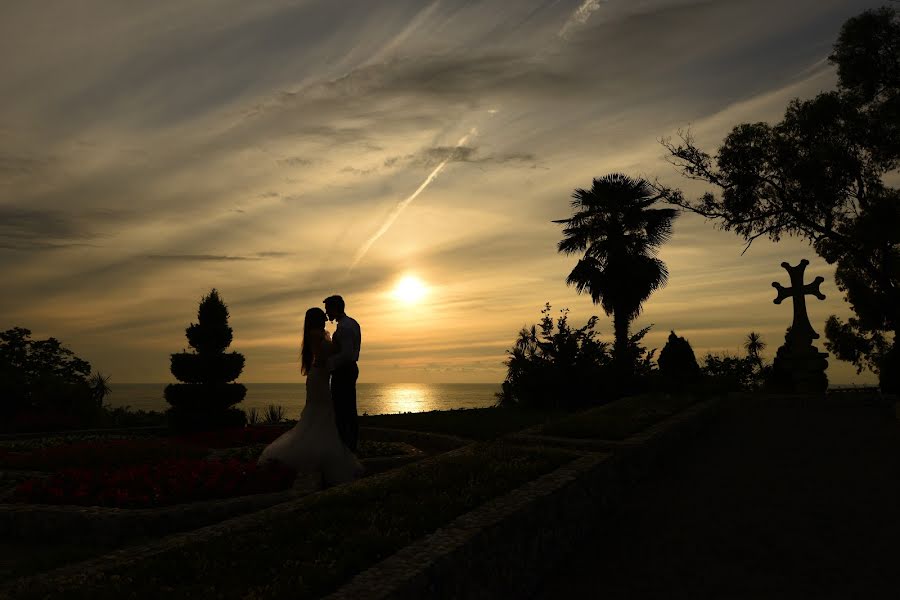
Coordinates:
(410, 289)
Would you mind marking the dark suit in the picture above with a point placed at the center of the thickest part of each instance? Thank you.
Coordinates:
(343, 394)
(344, 373)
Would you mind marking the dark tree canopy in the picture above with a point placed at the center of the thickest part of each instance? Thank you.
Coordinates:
(44, 375)
(619, 233)
(819, 174)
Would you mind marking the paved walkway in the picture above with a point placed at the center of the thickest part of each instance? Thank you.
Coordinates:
(778, 500)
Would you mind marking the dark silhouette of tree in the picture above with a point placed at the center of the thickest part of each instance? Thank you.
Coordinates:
(620, 234)
(730, 373)
(819, 174)
(677, 364)
(43, 376)
(754, 345)
(205, 398)
(554, 365)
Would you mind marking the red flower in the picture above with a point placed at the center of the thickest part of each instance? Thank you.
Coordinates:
(158, 484)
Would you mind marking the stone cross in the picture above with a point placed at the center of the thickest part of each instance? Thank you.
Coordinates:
(802, 333)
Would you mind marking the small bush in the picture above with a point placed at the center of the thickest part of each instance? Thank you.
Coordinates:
(730, 373)
(678, 366)
(273, 415)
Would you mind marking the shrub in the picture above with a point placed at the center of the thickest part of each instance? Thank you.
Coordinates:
(730, 373)
(204, 398)
(274, 414)
(677, 364)
(556, 365)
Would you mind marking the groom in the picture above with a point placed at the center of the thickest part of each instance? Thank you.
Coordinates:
(344, 371)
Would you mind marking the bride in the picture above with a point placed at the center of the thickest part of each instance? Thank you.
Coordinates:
(313, 444)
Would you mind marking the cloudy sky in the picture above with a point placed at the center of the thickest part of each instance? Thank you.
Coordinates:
(283, 151)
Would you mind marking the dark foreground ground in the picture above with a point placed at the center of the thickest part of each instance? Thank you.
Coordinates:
(779, 500)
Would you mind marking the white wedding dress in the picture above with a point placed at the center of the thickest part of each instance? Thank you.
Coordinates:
(313, 444)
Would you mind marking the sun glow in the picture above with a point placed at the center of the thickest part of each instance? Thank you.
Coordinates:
(410, 289)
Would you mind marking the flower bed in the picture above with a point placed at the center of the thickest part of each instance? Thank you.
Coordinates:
(150, 485)
(309, 551)
(90, 453)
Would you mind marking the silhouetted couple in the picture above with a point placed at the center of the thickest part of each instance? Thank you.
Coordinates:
(325, 437)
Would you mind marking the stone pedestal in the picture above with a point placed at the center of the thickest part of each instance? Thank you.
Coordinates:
(799, 370)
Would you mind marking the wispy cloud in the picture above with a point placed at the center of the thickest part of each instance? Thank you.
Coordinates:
(401, 206)
(261, 147)
(199, 257)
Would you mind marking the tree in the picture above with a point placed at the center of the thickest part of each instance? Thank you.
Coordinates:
(754, 345)
(205, 396)
(819, 174)
(620, 234)
(43, 376)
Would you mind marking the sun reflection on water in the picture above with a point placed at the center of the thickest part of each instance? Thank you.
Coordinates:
(406, 397)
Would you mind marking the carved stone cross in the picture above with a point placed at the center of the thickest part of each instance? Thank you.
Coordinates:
(802, 333)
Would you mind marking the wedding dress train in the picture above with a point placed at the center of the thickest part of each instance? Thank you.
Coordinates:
(313, 444)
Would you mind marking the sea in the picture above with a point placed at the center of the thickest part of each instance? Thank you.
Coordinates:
(371, 398)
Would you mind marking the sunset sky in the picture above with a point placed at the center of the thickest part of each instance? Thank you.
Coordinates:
(284, 151)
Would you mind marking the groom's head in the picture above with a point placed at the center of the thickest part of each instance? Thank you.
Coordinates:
(334, 307)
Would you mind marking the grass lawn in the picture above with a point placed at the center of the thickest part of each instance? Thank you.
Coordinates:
(472, 423)
(620, 419)
(336, 535)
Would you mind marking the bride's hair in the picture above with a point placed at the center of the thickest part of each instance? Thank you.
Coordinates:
(313, 327)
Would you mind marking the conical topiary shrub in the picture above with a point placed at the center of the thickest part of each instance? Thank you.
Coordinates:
(677, 364)
(205, 398)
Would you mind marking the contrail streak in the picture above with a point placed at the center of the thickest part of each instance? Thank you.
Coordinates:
(406, 202)
(580, 17)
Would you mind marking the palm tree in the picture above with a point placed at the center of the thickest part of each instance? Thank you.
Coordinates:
(754, 347)
(620, 236)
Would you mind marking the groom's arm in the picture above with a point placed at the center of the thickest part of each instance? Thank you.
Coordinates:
(344, 350)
